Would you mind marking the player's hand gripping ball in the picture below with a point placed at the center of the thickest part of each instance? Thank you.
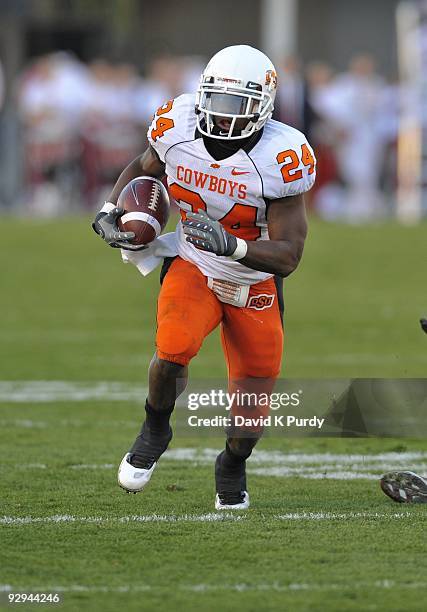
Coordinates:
(140, 216)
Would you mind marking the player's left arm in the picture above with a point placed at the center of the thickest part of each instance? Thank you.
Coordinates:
(287, 228)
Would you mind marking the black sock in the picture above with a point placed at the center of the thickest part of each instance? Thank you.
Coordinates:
(158, 420)
(230, 461)
(230, 472)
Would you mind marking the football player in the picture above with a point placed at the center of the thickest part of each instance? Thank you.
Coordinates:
(239, 179)
(405, 487)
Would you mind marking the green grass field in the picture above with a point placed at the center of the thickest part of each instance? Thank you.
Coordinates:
(319, 536)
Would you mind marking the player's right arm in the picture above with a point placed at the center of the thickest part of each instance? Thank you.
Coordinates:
(105, 223)
(147, 164)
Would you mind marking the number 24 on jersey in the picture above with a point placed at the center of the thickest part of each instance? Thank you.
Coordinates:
(289, 170)
(163, 123)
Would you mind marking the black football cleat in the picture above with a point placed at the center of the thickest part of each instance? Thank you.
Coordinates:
(231, 493)
(405, 487)
(138, 464)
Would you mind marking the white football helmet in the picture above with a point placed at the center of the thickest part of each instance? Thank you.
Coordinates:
(236, 93)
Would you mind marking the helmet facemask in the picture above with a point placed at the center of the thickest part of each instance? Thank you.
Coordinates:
(230, 111)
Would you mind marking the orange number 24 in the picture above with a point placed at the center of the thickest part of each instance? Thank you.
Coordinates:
(240, 220)
(289, 170)
(163, 123)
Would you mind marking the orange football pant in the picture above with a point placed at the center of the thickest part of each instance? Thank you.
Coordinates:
(188, 311)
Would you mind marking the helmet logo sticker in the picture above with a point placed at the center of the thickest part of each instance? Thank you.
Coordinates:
(271, 79)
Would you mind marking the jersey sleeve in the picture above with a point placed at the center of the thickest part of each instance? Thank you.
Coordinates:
(290, 169)
(170, 124)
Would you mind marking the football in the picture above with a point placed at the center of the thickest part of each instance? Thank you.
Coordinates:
(145, 201)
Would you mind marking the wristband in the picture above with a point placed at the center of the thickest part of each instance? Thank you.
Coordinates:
(241, 250)
(108, 207)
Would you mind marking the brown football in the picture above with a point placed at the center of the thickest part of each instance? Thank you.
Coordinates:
(145, 201)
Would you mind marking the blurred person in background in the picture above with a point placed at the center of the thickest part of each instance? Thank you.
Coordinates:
(51, 98)
(167, 70)
(328, 194)
(166, 77)
(111, 132)
(352, 121)
(191, 69)
(3, 139)
(356, 112)
(290, 106)
(152, 91)
(118, 112)
(389, 130)
(2, 87)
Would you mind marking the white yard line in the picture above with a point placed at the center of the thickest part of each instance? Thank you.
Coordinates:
(342, 516)
(279, 464)
(24, 423)
(317, 474)
(205, 455)
(206, 588)
(94, 466)
(199, 518)
(34, 424)
(44, 391)
(148, 518)
(315, 466)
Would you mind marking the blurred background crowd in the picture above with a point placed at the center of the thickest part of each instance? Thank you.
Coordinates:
(80, 122)
(83, 123)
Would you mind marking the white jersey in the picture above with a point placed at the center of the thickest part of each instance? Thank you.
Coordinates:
(235, 190)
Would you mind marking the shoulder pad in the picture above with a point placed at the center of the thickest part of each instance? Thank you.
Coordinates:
(173, 122)
(285, 161)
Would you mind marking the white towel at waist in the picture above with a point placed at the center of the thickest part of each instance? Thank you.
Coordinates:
(147, 260)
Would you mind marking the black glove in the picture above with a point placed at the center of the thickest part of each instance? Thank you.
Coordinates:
(208, 235)
(105, 225)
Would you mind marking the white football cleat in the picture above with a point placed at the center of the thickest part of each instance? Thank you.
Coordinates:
(133, 479)
(235, 501)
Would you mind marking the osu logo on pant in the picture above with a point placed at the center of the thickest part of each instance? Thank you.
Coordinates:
(259, 302)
